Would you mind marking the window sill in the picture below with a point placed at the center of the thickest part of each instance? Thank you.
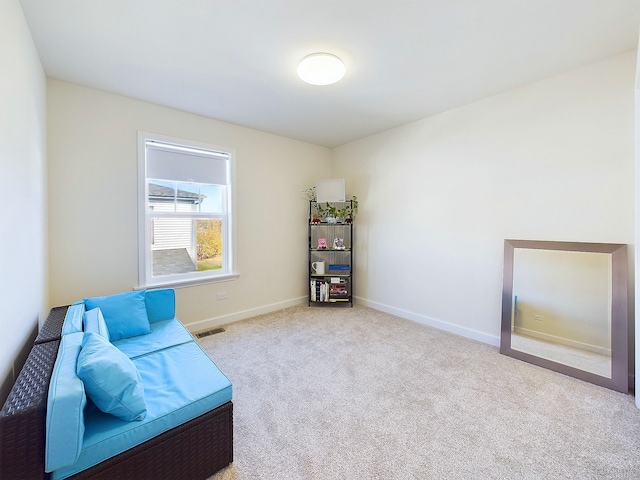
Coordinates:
(191, 282)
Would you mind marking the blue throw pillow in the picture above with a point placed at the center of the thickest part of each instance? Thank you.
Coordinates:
(110, 379)
(124, 313)
(94, 322)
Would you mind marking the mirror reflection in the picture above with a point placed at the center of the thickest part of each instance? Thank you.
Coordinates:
(564, 307)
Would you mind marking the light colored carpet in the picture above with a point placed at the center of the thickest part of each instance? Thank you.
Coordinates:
(340, 393)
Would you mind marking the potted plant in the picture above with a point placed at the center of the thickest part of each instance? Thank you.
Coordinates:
(329, 212)
(351, 210)
(332, 214)
(310, 193)
(348, 213)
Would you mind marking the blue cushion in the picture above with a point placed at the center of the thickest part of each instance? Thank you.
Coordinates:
(164, 334)
(111, 380)
(176, 395)
(65, 407)
(94, 322)
(124, 313)
(161, 304)
(73, 319)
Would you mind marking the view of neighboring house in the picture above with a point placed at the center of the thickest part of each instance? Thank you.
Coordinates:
(173, 240)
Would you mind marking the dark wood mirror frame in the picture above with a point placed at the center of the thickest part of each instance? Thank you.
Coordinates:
(619, 311)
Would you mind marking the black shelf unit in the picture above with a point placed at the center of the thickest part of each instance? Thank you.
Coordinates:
(335, 285)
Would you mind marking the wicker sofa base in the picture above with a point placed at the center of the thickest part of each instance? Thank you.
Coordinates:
(23, 416)
(194, 450)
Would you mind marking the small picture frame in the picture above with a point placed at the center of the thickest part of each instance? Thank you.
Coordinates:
(322, 244)
(338, 243)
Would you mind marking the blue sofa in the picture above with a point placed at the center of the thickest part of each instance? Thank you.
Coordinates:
(130, 394)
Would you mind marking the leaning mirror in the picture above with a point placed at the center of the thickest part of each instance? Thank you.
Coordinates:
(564, 307)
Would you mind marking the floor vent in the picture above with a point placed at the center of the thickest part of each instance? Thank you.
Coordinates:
(209, 332)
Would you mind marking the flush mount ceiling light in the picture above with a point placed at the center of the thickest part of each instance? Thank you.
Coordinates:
(321, 69)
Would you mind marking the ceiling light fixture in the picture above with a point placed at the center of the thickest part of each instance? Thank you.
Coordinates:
(321, 69)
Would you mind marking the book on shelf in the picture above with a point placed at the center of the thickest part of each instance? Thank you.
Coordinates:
(339, 266)
(319, 291)
(323, 291)
(339, 269)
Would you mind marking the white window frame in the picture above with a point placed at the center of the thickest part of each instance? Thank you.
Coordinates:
(228, 272)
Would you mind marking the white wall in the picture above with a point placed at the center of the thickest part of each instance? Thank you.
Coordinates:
(550, 161)
(93, 212)
(23, 219)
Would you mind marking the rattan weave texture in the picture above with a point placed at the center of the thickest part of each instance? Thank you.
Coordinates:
(52, 327)
(22, 418)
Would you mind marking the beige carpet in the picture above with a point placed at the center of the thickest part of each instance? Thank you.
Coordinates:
(339, 393)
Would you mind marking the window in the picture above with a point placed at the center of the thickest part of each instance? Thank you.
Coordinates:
(185, 196)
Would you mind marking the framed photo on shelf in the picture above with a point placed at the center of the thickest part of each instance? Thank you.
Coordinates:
(338, 243)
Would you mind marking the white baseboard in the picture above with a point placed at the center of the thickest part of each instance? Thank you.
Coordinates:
(216, 322)
(563, 341)
(432, 322)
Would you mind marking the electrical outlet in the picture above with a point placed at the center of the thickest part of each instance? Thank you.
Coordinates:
(222, 296)
(538, 317)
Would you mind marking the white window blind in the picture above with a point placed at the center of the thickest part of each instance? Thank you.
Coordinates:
(180, 164)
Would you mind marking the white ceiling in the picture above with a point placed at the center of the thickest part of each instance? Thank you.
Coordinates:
(235, 60)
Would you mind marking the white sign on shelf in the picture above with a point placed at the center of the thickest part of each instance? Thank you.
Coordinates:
(330, 190)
